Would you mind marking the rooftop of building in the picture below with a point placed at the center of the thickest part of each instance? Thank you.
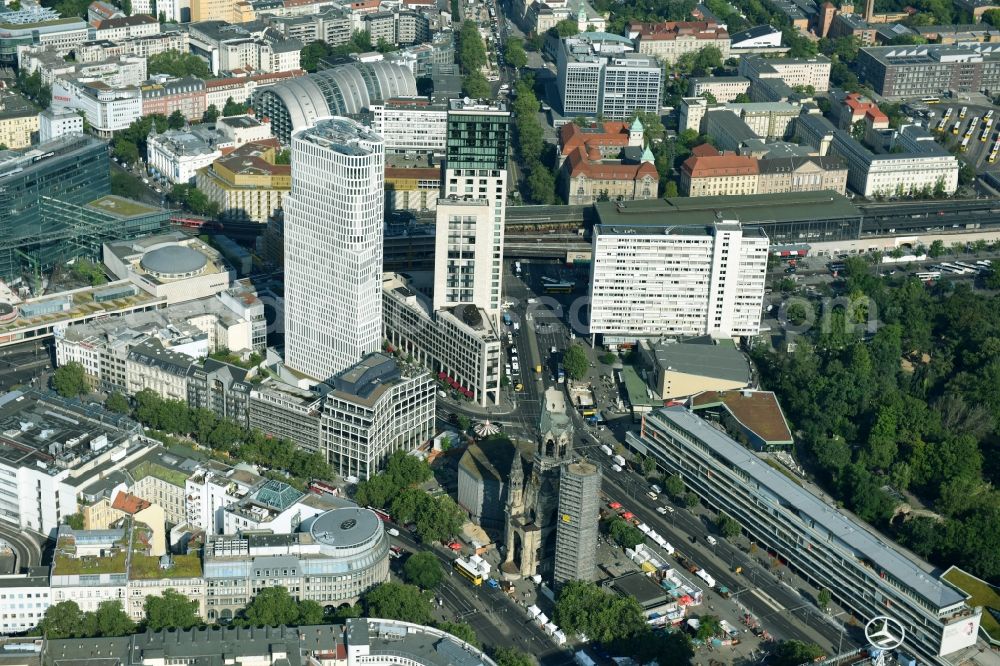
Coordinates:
(855, 536)
(590, 165)
(749, 209)
(608, 133)
(757, 411)
(122, 208)
(640, 586)
(341, 135)
(702, 356)
(492, 458)
(255, 158)
(244, 121)
(45, 432)
(789, 163)
(348, 527)
(720, 164)
(13, 105)
(127, 21)
(753, 33)
(39, 156)
(164, 464)
(190, 141)
(428, 646)
(369, 378)
(267, 501)
(672, 30)
(474, 106)
(934, 53)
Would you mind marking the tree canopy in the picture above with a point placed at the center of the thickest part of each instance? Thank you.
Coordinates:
(66, 620)
(70, 380)
(178, 64)
(172, 609)
(274, 606)
(582, 607)
(423, 570)
(911, 409)
(575, 362)
(398, 601)
(795, 653)
(624, 534)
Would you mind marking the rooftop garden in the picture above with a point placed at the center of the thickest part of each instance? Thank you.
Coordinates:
(155, 470)
(65, 564)
(982, 593)
(147, 567)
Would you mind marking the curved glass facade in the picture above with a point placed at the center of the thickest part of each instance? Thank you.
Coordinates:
(339, 91)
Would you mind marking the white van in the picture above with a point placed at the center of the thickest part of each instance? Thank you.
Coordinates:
(711, 540)
(393, 532)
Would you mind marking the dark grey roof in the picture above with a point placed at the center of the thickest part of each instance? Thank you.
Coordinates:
(756, 31)
(784, 164)
(705, 357)
(345, 528)
(173, 259)
(152, 353)
(733, 125)
(811, 510)
(362, 378)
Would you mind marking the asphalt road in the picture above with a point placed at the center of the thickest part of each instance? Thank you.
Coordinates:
(27, 551)
(496, 618)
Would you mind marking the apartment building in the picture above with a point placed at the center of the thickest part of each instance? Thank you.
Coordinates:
(599, 74)
(18, 121)
(670, 40)
(377, 407)
(287, 412)
(254, 46)
(126, 27)
(247, 183)
(867, 575)
(54, 123)
(930, 69)
(794, 72)
(163, 95)
(923, 165)
(399, 27)
(687, 274)
(413, 188)
(142, 47)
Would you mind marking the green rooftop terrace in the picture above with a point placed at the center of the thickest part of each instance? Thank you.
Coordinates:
(171, 476)
(981, 594)
(121, 207)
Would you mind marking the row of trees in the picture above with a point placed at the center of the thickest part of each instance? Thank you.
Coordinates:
(619, 622)
(228, 438)
(471, 56)
(912, 409)
(436, 518)
(537, 157)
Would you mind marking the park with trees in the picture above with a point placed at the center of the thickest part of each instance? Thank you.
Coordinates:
(909, 411)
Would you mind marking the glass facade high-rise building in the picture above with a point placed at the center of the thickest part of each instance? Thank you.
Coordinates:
(58, 175)
(468, 264)
(333, 247)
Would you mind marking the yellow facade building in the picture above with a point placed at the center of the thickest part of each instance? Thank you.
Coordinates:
(247, 183)
(18, 121)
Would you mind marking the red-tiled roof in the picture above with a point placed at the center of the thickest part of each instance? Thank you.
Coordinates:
(580, 165)
(572, 136)
(705, 150)
(862, 106)
(129, 503)
(726, 164)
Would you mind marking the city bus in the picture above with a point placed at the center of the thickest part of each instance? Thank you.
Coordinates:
(928, 276)
(930, 100)
(468, 571)
(559, 287)
(965, 144)
(961, 114)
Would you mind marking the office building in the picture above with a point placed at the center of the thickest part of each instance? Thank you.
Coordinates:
(70, 171)
(376, 407)
(917, 164)
(333, 247)
(689, 275)
(107, 109)
(342, 90)
(468, 258)
(678, 369)
(794, 72)
(32, 593)
(247, 184)
(412, 188)
(930, 69)
(176, 155)
(711, 173)
(332, 558)
(164, 95)
(411, 125)
(54, 123)
(114, 68)
(867, 575)
(579, 521)
(599, 74)
(722, 88)
(44, 28)
(460, 343)
(242, 46)
(670, 40)
(287, 412)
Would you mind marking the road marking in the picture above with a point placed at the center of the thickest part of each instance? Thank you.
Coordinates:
(767, 599)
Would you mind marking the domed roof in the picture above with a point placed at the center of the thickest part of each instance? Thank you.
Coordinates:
(173, 260)
(345, 528)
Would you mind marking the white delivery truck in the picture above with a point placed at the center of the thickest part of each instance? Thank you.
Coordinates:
(619, 461)
(606, 449)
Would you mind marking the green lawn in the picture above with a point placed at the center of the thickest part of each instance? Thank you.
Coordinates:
(67, 566)
(160, 472)
(983, 594)
(145, 567)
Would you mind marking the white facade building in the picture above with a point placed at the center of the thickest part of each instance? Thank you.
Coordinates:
(24, 599)
(210, 490)
(54, 123)
(107, 109)
(376, 408)
(177, 155)
(333, 247)
(411, 126)
(651, 278)
(923, 166)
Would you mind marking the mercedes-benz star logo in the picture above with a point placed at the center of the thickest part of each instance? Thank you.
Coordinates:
(884, 633)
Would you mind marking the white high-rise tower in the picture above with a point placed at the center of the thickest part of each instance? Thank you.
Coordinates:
(333, 247)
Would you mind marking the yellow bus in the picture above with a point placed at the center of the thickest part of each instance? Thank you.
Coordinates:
(468, 571)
